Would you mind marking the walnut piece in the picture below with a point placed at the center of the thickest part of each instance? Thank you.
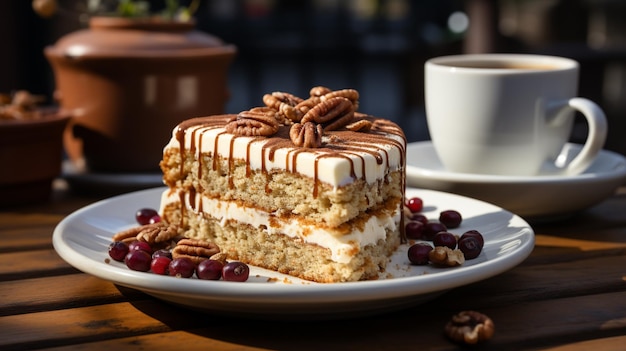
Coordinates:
(319, 91)
(349, 94)
(305, 106)
(285, 104)
(334, 113)
(445, 256)
(220, 256)
(253, 123)
(157, 235)
(128, 235)
(306, 135)
(195, 249)
(469, 327)
(360, 126)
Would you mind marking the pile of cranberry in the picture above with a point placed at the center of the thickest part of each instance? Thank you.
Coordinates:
(419, 227)
(139, 256)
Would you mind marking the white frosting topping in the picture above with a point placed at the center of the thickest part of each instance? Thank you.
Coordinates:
(341, 159)
(342, 246)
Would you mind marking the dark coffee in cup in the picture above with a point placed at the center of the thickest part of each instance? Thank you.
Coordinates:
(501, 65)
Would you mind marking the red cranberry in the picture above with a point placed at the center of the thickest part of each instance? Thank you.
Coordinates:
(418, 217)
(144, 215)
(445, 239)
(431, 228)
(138, 260)
(182, 267)
(118, 250)
(160, 265)
(475, 234)
(414, 230)
(470, 247)
(209, 270)
(235, 271)
(450, 218)
(418, 253)
(140, 245)
(415, 204)
(162, 253)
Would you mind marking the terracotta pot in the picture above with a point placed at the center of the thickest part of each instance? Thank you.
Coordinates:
(128, 82)
(31, 153)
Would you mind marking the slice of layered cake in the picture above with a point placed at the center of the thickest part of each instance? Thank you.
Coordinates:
(307, 187)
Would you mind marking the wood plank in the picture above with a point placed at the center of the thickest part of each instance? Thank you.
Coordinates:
(26, 239)
(546, 281)
(164, 341)
(13, 220)
(22, 232)
(617, 343)
(92, 323)
(59, 292)
(587, 244)
(518, 326)
(32, 264)
(559, 321)
(550, 254)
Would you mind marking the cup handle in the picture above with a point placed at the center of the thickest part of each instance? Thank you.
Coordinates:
(596, 120)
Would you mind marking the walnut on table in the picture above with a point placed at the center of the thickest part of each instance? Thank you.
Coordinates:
(469, 327)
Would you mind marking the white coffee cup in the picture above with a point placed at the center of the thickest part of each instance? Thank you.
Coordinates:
(508, 114)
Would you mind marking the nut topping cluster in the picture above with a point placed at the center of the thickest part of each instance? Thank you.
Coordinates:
(324, 110)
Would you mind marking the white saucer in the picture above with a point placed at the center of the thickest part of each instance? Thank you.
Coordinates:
(542, 196)
(97, 183)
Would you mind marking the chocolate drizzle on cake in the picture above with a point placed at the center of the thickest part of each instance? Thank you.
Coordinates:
(342, 144)
(351, 146)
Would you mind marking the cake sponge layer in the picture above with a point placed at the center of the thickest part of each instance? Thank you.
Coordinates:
(263, 246)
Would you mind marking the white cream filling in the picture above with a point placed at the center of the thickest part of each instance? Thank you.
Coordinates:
(335, 171)
(343, 247)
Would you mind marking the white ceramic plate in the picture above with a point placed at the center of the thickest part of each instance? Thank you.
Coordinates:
(82, 239)
(538, 197)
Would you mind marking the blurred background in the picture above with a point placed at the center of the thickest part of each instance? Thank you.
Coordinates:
(375, 46)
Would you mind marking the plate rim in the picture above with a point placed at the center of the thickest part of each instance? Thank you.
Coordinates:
(296, 293)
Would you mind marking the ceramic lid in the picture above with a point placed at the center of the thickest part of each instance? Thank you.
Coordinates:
(113, 36)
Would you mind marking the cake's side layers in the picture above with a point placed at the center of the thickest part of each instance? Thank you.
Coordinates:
(330, 185)
(328, 214)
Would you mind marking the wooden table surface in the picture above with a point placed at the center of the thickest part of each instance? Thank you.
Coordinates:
(570, 294)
